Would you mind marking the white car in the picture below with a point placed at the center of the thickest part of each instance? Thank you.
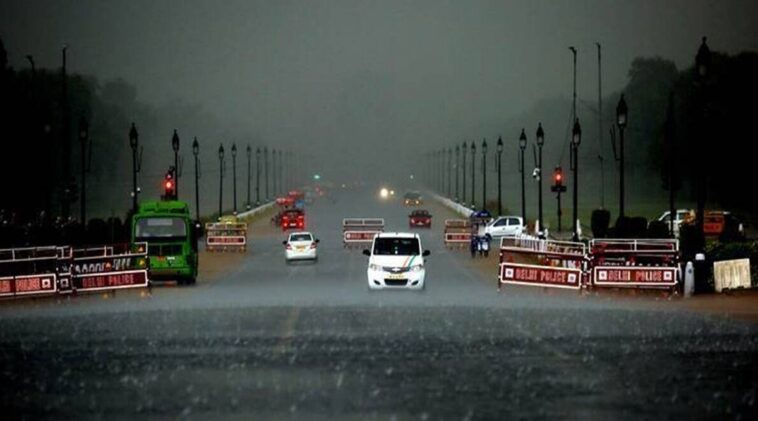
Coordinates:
(396, 260)
(505, 226)
(300, 246)
(681, 215)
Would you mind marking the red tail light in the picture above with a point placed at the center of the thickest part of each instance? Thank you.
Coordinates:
(289, 246)
(313, 245)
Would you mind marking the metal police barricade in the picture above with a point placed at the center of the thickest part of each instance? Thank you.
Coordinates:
(109, 267)
(30, 271)
(357, 232)
(457, 233)
(528, 260)
(635, 263)
(226, 236)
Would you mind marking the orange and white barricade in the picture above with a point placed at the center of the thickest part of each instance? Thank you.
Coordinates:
(457, 233)
(635, 263)
(357, 232)
(226, 236)
(527, 260)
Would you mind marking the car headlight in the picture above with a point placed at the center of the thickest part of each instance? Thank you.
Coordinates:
(373, 267)
(417, 268)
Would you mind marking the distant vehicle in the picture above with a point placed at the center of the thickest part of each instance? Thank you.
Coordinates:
(420, 218)
(682, 215)
(396, 260)
(505, 226)
(292, 219)
(300, 246)
(171, 237)
(412, 199)
(718, 222)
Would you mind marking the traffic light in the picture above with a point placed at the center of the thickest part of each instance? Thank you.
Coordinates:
(558, 186)
(169, 185)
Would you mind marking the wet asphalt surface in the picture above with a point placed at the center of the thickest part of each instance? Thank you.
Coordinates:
(309, 341)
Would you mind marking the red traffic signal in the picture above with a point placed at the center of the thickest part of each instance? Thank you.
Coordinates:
(558, 186)
(169, 187)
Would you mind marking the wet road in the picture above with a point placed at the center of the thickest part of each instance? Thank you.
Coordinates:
(309, 341)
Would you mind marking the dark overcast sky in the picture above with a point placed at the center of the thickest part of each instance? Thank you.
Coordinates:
(378, 70)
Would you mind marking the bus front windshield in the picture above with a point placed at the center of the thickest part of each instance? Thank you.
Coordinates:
(160, 228)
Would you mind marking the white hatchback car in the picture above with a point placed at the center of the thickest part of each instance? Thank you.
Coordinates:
(505, 226)
(396, 260)
(300, 246)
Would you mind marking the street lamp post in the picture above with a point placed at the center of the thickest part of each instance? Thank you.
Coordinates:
(449, 172)
(576, 140)
(265, 170)
(234, 177)
(621, 120)
(195, 153)
(473, 174)
(463, 171)
(484, 174)
(273, 172)
(540, 143)
(175, 147)
(457, 166)
(257, 176)
(220, 180)
(499, 175)
(134, 144)
(522, 148)
(83, 138)
(249, 158)
(702, 65)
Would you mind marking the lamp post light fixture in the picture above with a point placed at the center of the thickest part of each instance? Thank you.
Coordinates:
(221, 167)
(522, 148)
(175, 147)
(83, 139)
(540, 144)
(484, 174)
(134, 144)
(473, 174)
(576, 140)
(234, 177)
(499, 175)
(621, 120)
(195, 153)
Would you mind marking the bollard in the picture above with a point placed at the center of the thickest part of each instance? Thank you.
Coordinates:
(701, 274)
(689, 280)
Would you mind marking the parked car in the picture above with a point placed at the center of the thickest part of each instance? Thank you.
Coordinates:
(505, 226)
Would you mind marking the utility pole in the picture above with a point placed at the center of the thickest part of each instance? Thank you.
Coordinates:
(473, 174)
(457, 166)
(195, 152)
(484, 174)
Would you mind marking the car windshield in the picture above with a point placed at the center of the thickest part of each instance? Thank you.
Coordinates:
(396, 246)
(160, 228)
(301, 237)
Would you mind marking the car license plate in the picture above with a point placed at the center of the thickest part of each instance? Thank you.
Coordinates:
(395, 276)
(300, 248)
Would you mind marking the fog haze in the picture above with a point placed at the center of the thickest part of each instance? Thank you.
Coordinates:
(365, 82)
